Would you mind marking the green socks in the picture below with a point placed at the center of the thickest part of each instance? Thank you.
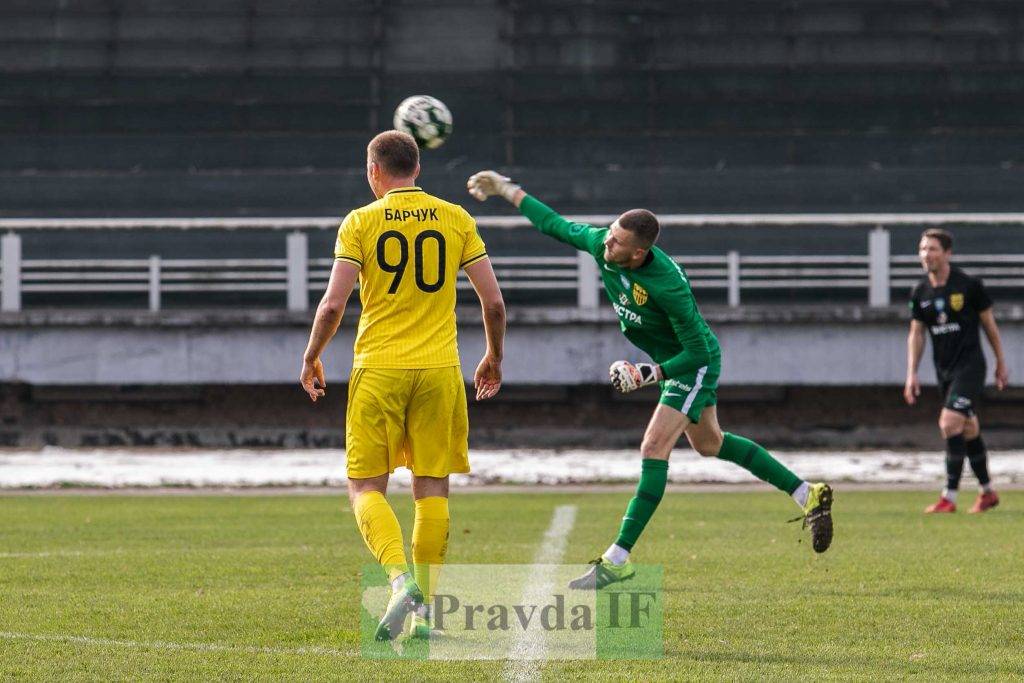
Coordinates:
(758, 462)
(653, 476)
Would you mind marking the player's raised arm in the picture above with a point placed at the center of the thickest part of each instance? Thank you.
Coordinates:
(484, 184)
(581, 236)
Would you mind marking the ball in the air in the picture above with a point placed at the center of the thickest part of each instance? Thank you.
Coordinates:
(426, 119)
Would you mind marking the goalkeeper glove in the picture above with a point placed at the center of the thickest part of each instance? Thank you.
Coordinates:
(488, 184)
(627, 377)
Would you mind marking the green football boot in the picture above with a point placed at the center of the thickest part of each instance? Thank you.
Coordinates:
(402, 602)
(602, 573)
(818, 516)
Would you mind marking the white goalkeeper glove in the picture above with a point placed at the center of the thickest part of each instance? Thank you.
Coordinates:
(488, 184)
(627, 377)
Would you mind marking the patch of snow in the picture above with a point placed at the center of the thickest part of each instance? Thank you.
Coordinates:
(52, 467)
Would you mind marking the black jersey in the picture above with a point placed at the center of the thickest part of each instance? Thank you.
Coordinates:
(951, 314)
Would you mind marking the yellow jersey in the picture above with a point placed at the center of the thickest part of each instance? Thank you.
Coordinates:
(409, 247)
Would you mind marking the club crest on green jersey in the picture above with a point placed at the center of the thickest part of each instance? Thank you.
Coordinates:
(639, 295)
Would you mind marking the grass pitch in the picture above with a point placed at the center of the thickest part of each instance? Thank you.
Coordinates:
(116, 587)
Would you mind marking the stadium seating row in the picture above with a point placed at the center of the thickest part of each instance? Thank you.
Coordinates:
(188, 150)
(302, 192)
(106, 105)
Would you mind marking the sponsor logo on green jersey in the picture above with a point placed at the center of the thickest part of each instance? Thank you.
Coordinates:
(627, 314)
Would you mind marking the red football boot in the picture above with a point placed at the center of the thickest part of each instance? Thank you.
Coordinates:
(984, 501)
(944, 505)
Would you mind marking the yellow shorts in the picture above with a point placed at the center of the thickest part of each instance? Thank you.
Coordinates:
(415, 418)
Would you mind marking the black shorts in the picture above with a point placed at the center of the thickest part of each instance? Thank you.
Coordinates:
(961, 389)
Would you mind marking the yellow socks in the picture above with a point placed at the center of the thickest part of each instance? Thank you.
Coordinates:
(381, 531)
(383, 536)
(429, 542)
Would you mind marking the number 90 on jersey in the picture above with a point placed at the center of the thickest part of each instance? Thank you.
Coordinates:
(426, 256)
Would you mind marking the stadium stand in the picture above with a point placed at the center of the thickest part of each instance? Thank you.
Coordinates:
(260, 107)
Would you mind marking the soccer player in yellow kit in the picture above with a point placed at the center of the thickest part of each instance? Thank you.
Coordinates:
(406, 396)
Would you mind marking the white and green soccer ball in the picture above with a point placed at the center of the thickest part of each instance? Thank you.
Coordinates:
(426, 119)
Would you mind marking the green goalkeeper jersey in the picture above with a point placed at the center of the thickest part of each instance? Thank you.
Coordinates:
(656, 307)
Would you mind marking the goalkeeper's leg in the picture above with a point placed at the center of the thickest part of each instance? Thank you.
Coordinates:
(663, 431)
(815, 500)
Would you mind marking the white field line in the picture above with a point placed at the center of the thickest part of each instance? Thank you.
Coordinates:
(58, 553)
(157, 551)
(164, 645)
(530, 648)
(43, 554)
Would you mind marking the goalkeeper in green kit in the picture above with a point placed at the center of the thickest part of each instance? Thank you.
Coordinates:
(658, 313)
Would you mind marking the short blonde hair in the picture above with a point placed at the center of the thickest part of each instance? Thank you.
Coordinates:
(643, 224)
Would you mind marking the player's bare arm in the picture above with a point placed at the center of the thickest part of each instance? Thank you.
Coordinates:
(915, 348)
(328, 316)
(487, 378)
(988, 323)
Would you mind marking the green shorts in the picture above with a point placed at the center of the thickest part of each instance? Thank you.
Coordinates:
(690, 394)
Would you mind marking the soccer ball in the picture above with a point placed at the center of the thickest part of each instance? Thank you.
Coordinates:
(426, 119)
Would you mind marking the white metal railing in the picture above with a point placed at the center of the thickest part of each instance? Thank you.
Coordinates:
(839, 220)
(295, 275)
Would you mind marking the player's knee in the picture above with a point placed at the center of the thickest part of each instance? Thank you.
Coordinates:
(652, 448)
(357, 487)
(352, 495)
(709, 447)
(972, 429)
(950, 428)
(707, 442)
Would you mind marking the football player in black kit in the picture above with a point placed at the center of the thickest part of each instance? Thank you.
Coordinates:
(950, 305)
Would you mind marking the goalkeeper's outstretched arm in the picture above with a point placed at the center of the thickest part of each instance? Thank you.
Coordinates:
(491, 184)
